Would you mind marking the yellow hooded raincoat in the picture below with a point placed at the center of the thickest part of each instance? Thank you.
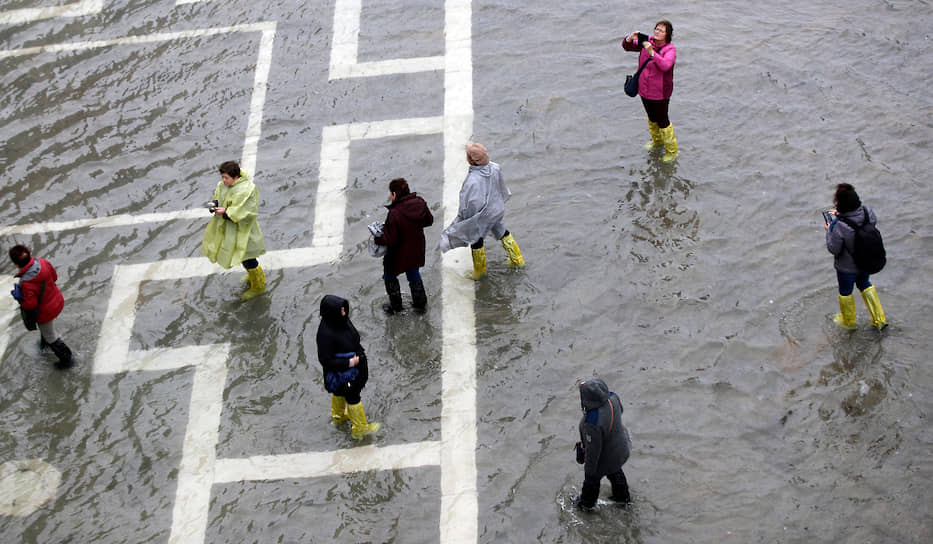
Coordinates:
(228, 242)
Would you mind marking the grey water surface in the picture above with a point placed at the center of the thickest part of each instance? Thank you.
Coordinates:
(700, 291)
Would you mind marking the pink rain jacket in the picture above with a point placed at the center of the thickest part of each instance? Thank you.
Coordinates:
(656, 81)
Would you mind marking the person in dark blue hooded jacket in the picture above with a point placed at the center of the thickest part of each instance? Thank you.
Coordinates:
(605, 443)
(344, 363)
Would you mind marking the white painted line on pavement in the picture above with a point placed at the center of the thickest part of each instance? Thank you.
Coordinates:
(456, 452)
(113, 347)
(101, 222)
(253, 125)
(199, 452)
(315, 464)
(75, 9)
(459, 500)
(345, 49)
(331, 202)
(9, 314)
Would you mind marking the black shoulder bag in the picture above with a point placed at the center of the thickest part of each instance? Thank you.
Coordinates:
(631, 82)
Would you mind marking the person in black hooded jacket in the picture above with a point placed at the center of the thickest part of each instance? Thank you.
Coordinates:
(344, 363)
(604, 444)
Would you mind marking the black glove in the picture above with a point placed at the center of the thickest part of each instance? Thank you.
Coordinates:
(581, 453)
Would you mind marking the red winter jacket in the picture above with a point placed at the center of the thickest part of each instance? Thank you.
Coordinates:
(32, 276)
(404, 233)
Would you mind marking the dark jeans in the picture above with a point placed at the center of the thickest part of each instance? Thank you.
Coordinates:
(657, 111)
(847, 281)
(411, 275)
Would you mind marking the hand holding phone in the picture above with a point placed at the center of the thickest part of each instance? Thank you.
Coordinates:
(827, 217)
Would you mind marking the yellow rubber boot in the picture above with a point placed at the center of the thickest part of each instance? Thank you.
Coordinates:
(338, 409)
(360, 427)
(257, 283)
(656, 140)
(870, 296)
(511, 247)
(479, 264)
(670, 143)
(847, 317)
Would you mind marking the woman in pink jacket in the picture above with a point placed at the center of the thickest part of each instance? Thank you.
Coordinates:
(656, 83)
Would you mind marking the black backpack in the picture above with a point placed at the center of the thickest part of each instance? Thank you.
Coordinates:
(868, 253)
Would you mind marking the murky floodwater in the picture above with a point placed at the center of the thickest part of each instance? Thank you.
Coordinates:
(700, 291)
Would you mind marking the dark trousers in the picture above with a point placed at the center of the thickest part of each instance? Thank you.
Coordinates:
(847, 281)
(657, 111)
(478, 244)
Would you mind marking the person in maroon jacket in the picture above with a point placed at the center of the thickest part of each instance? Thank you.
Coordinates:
(403, 237)
(40, 300)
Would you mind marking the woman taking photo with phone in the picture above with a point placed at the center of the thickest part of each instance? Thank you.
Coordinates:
(656, 83)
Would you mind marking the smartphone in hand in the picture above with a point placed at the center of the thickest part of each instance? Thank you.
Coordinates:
(642, 38)
(827, 217)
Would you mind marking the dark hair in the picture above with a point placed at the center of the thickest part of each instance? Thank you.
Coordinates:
(399, 186)
(846, 199)
(231, 168)
(668, 27)
(20, 255)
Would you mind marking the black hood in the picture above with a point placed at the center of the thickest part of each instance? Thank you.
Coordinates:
(330, 310)
(593, 393)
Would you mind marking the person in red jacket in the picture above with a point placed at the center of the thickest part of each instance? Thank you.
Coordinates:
(403, 235)
(41, 300)
(656, 83)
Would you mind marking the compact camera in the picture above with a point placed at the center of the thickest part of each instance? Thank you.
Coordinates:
(211, 205)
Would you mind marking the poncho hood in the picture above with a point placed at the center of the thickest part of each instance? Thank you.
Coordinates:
(593, 393)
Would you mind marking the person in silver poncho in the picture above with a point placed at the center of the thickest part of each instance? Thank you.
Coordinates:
(481, 212)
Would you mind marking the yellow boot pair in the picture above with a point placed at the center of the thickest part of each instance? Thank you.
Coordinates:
(360, 427)
(338, 410)
(656, 140)
(847, 306)
(670, 143)
(479, 257)
(257, 283)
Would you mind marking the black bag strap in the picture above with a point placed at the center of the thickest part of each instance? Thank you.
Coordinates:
(855, 228)
(642, 66)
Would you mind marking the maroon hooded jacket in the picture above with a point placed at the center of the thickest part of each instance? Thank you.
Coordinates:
(404, 233)
(32, 276)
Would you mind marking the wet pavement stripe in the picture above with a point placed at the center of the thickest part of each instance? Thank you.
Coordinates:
(74, 9)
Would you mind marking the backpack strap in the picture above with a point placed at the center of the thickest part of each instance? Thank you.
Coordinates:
(855, 228)
(852, 225)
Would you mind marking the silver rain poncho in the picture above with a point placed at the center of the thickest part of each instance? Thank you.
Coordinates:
(482, 208)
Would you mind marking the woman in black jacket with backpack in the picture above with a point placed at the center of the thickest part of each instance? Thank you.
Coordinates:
(849, 215)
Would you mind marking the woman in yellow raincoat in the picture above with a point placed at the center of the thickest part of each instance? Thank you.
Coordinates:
(233, 234)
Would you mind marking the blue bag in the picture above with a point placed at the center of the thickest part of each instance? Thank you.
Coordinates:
(333, 380)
